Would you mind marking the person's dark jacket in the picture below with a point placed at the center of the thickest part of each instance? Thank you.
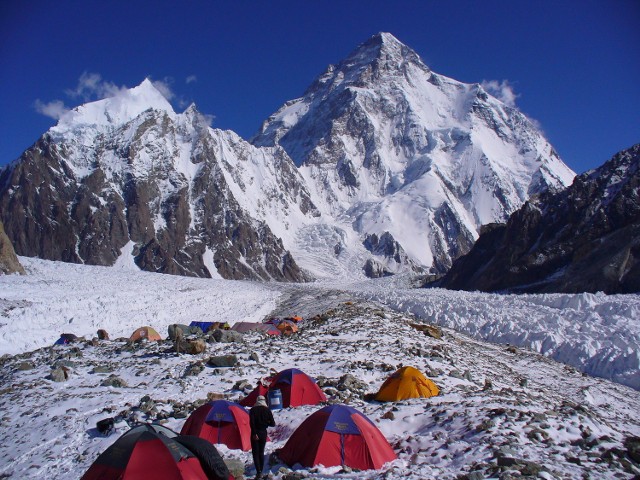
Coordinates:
(260, 418)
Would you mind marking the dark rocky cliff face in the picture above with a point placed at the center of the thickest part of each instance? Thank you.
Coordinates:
(53, 213)
(583, 239)
(9, 262)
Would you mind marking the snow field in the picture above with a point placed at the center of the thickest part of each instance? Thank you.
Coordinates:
(495, 401)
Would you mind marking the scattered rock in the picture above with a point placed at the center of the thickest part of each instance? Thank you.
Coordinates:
(632, 444)
(389, 415)
(349, 382)
(243, 385)
(146, 404)
(179, 412)
(537, 434)
(59, 374)
(486, 424)
(103, 335)
(236, 467)
(293, 476)
(191, 347)
(28, 365)
(211, 396)
(114, 381)
(186, 330)
(227, 336)
(472, 476)
(223, 361)
(255, 357)
(194, 369)
(429, 330)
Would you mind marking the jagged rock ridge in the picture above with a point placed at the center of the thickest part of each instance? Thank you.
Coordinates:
(583, 239)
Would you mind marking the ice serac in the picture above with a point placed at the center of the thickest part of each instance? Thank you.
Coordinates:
(128, 177)
(583, 239)
(388, 146)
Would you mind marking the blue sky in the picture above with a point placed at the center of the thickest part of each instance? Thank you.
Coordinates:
(574, 66)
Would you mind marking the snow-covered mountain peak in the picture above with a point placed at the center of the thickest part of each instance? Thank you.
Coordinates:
(382, 47)
(123, 106)
(380, 60)
(392, 147)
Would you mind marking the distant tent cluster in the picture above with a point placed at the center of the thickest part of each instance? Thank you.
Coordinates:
(286, 326)
(272, 327)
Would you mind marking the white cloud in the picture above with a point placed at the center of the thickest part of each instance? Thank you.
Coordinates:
(503, 91)
(54, 109)
(164, 87)
(206, 119)
(91, 86)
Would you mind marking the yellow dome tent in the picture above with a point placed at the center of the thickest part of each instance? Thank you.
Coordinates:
(404, 383)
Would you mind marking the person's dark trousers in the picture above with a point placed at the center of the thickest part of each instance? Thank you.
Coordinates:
(257, 449)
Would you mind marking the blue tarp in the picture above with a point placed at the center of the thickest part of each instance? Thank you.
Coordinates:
(203, 325)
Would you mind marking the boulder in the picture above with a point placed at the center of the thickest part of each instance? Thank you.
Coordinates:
(192, 347)
(59, 374)
(632, 445)
(227, 336)
(113, 381)
(184, 329)
(223, 361)
(103, 335)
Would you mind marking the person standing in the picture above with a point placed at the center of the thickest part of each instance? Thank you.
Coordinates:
(260, 417)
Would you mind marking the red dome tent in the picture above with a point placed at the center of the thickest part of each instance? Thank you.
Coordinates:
(220, 422)
(146, 452)
(337, 435)
(297, 389)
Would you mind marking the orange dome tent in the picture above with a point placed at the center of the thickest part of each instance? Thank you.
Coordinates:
(287, 327)
(143, 333)
(407, 382)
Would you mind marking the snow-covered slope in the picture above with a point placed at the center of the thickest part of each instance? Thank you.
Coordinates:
(387, 145)
(503, 412)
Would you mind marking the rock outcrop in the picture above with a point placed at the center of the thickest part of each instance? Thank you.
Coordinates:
(9, 262)
(583, 239)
